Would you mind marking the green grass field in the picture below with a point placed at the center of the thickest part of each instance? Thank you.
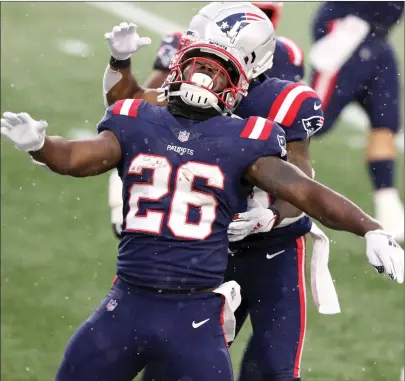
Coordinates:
(57, 250)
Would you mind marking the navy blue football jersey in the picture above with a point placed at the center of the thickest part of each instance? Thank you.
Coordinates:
(288, 63)
(182, 184)
(381, 15)
(294, 106)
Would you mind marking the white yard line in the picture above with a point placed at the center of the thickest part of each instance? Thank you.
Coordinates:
(76, 48)
(354, 116)
(142, 17)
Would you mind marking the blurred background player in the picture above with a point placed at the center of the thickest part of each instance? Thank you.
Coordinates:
(354, 61)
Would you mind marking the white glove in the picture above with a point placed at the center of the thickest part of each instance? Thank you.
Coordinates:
(257, 219)
(385, 254)
(26, 133)
(124, 41)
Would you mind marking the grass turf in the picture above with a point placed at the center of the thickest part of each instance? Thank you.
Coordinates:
(57, 250)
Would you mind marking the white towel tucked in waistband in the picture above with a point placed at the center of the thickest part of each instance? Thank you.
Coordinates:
(231, 291)
(322, 286)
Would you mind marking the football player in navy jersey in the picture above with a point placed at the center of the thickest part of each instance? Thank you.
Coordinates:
(259, 257)
(297, 109)
(186, 168)
(354, 61)
(288, 64)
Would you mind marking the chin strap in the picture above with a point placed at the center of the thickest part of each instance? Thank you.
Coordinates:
(198, 95)
(213, 105)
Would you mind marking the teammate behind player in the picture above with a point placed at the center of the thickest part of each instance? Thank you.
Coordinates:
(355, 62)
(174, 247)
(294, 106)
(182, 184)
(297, 108)
(288, 64)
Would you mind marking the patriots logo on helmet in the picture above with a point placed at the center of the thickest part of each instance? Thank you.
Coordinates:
(234, 23)
(312, 124)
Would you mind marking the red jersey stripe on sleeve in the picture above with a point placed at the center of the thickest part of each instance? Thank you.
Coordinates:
(117, 107)
(257, 128)
(280, 99)
(133, 110)
(289, 102)
(268, 127)
(247, 130)
(127, 107)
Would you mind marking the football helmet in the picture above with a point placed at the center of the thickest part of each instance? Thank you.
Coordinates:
(236, 26)
(206, 76)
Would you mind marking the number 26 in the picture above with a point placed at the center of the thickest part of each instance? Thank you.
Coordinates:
(182, 197)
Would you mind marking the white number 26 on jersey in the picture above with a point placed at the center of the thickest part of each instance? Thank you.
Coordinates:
(183, 196)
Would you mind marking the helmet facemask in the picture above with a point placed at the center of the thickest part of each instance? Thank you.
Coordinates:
(206, 77)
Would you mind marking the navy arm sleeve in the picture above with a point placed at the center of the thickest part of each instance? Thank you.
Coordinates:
(120, 119)
(266, 138)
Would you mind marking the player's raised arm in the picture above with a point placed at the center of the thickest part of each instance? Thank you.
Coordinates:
(78, 158)
(288, 182)
(118, 81)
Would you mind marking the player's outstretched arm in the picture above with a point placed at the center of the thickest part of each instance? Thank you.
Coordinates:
(288, 182)
(78, 158)
(118, 81)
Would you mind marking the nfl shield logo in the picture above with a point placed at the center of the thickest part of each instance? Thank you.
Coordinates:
(183, 136)
(111, 305)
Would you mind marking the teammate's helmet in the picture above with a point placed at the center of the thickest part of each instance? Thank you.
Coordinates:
(272, 9)
(240, 26)
(206, 76)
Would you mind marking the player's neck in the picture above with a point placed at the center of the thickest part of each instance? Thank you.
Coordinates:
(178, 109)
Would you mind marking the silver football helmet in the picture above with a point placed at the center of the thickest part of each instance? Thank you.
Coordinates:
(206, 76)
(236, 27)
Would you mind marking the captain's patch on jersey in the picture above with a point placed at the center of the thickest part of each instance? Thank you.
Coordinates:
(283, 145)
(312, 124)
